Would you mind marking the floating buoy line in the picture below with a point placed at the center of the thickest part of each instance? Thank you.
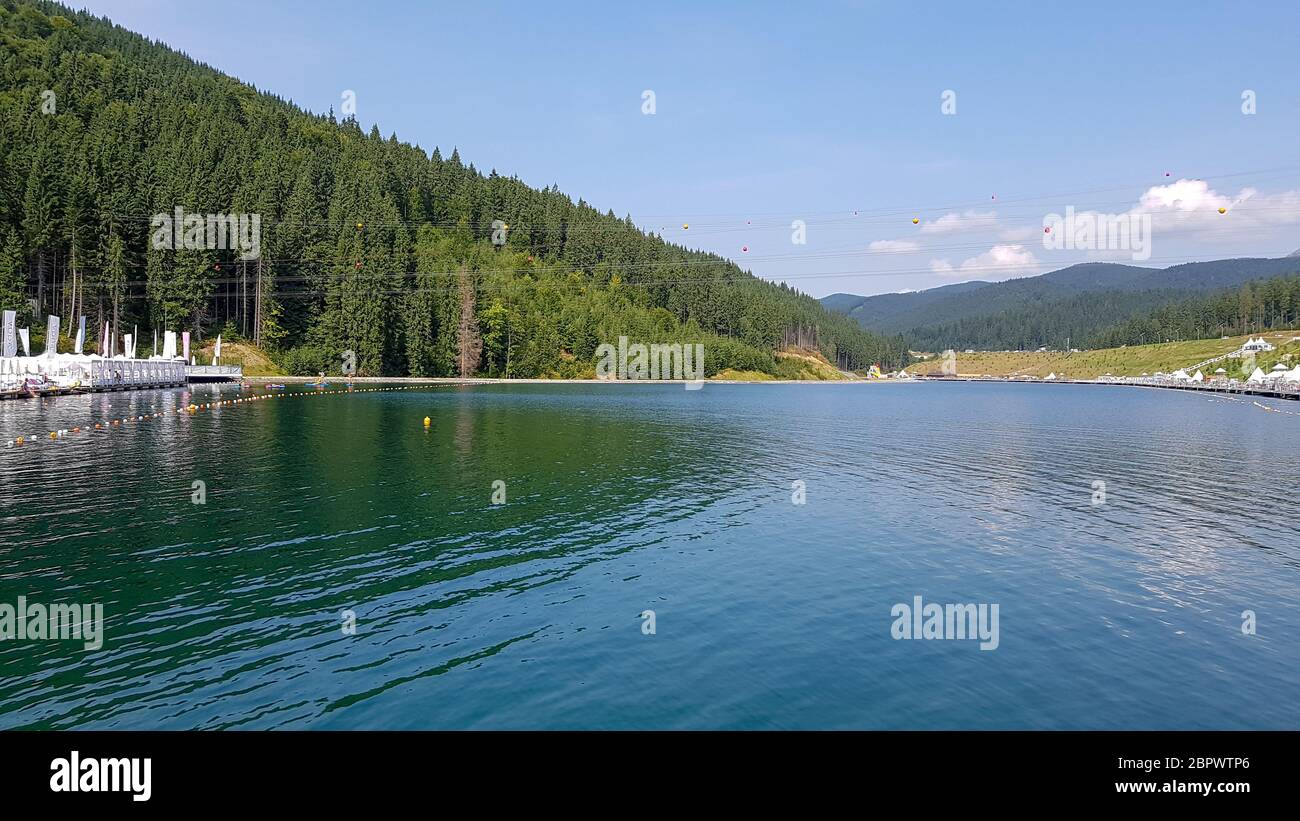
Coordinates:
(197, 407)
(1272, 409)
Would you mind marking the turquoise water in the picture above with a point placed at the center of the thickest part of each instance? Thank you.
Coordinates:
(627, 498)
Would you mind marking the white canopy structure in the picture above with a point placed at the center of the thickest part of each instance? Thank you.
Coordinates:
(1180, 375)
(1050, 376)
(1256, 376)
(1199, 377)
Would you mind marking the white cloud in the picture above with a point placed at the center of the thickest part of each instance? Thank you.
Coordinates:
(894, 246)
(999, 262)
(1194, 205)
(966, 221)
(1184, 196)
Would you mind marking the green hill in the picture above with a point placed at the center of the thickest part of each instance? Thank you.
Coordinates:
(1078, 303)
(367, 244)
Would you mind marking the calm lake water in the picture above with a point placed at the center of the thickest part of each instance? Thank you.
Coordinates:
(627, 498)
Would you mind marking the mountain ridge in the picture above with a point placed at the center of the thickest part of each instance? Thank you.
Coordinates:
(932, 316)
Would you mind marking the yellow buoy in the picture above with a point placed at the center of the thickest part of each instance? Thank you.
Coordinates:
(427, 421)
(915, 220)
(1223, 210)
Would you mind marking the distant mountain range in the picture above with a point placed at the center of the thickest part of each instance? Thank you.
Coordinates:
(1072, 303)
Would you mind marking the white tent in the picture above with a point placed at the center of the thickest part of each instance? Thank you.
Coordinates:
(1293, 375)
(1199, 377)
(1180, 374)
(1256, 376)
(1050, 375)
(1220, 370)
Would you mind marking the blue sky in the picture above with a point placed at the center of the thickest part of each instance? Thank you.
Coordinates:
(828, 113)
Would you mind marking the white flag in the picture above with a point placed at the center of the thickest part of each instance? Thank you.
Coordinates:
(22, 337)
(9, 345)
(81, 335)
(51, 335)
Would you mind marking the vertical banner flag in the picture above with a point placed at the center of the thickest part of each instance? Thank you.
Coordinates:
(217, 355)
(81, 335)
(9, 345)
(169, 344)
(103, 341)
(22, 336)
(185, 341)
(51, 335)
(127, 342)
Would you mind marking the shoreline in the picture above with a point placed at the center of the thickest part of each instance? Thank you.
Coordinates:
(486, 380)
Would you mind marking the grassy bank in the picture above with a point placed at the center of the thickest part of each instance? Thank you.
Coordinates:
(1129, 361)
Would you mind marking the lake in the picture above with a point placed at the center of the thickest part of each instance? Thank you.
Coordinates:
(651, 565)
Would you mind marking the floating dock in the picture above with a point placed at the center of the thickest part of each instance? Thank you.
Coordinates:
(214, 373)
(1271, 388)
(27, 376)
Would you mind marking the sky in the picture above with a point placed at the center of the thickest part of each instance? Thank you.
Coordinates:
(858, 147)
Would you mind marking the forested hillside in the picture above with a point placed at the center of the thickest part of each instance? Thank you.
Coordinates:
(1266, 305)
(1074, 304)
(367, 243)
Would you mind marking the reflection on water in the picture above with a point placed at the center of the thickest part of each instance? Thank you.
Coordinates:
(626, 498)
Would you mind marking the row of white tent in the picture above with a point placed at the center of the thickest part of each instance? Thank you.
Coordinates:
(1279, 372)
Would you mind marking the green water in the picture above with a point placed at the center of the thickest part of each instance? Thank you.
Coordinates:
(621, 499)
